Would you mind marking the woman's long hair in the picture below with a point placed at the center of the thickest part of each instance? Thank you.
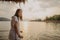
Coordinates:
(16, 14)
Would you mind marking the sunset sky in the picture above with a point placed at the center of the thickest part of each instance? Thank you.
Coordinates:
(32, 9)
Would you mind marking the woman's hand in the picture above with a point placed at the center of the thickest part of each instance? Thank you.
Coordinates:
(21, 31)
(20, 36)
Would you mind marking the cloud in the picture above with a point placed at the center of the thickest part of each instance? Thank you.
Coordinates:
(49, 3)
(7, 9)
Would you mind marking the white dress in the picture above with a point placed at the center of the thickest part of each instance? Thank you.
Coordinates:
(12, 34)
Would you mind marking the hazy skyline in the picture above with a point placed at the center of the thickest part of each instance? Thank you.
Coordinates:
(33, 9)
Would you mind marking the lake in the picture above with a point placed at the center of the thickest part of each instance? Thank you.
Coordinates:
(33, 30)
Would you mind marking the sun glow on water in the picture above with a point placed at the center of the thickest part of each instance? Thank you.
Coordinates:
(25, 25)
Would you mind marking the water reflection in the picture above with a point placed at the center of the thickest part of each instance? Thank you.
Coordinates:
(25, 25)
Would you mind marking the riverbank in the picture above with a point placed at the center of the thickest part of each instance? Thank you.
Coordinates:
(55, 21)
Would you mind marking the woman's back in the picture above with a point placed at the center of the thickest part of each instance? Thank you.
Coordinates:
(13, 35)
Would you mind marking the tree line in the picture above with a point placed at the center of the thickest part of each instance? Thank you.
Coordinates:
(55, 17)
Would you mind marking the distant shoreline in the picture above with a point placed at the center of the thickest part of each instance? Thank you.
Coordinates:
(47, 21)
(4, 19)
(53, 21)
(36, 21)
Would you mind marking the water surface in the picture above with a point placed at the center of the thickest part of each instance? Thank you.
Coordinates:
(33, 30)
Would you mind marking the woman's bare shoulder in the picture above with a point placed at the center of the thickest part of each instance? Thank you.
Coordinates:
(14, 18)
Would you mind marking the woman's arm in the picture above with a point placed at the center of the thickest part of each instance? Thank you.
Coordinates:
(16, 29)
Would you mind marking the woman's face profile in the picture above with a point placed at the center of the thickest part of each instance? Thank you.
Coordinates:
(20, 13)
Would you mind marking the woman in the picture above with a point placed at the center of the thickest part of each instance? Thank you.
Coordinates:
(14, 32)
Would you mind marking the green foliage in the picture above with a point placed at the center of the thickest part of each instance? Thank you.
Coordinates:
(55, 17)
